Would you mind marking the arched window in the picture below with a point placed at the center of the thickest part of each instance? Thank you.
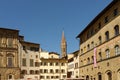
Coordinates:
(88, 47)
(92, 59)
(100, 56)
(109, 76)
(116, 30)
(92, 44)
(88, 60)
(100, 39)
(107, 53)
(99, 76)
(81, 51)
(107, 35)
(117, 50)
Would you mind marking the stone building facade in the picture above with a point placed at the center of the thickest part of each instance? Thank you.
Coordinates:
(29, 60)
(9, 67)
(73, 66)
(53, 67)
(100, 45)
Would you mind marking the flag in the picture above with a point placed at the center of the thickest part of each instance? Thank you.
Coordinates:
(95, 60)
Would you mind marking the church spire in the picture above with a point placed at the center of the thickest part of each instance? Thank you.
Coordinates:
(63, 46)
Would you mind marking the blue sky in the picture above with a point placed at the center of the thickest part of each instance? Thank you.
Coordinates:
(42, 21)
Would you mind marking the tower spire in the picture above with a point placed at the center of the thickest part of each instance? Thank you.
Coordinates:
(63, 46)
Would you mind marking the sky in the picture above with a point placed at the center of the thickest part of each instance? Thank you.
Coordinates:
(43, 21)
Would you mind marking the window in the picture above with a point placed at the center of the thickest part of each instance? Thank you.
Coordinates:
(76, 65)
(45, 71)
(64, 76)
(62, 71)
(107, 35)
(117, 50)
(36, 64)
(57, 71)
(23, 62)
(51, 71)
(81, 62)
(48, 77)
(88, 47)
(41, 63)
(100, 55)
(52, 77)
(57, 77)
(24, 71)
(10, 61)
(116, 30)
(92, 58)
(51, 64)
(10, 76)
(115, 11)
(10, 41)
(41, 71)
(106, 19)
(36, 72)
(31, 62)
(57, 64)
(81, 51)
(92, 44)
(88, 61)
(100, 39)
(31, 72)
(34, 49)
(107, 53)
(99, 25)
(45, 63)
(62, 64)
(42, 77)
(36, 56)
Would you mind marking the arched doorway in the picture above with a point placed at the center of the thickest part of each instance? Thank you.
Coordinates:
(99, 76)
(108, 75)
(118, 75)
(87, 77)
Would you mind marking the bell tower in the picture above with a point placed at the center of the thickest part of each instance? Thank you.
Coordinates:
(63, 47)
